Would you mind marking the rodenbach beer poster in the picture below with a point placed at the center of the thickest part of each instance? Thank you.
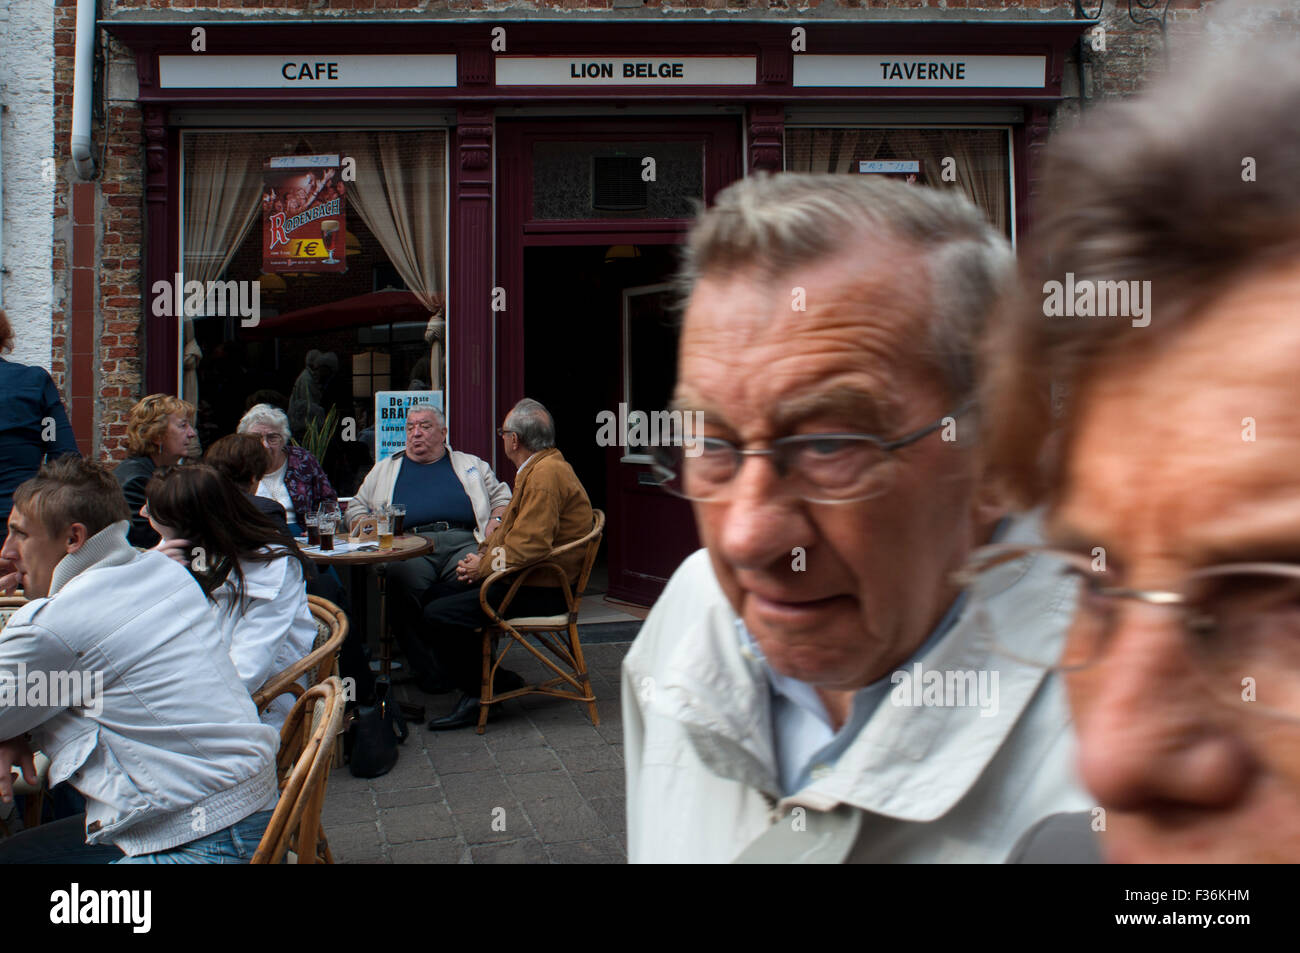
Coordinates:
(303, 222)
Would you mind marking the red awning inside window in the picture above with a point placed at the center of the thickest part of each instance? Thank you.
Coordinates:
(378, 307)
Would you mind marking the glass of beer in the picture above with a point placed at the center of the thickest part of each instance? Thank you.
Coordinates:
(313, 529)
(329, 230)
(398, 511)
(385, 528)
(326, 530)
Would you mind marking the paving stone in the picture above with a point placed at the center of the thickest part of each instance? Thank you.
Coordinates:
(509, 734)
(563, 819)
(591, 758)
(527, 851)
(476, 791)
(527, 760)
(613, 813)
(482, 826)
(347, 807)
(604, 851)
(601, 783)
(444, 850)
(411, 771)
(414, 822)
(543, 784)
(429, 795)
(572, 736)
(458, 762)
(351, 843)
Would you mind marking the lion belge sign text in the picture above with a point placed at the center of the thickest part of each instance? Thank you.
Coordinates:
(303, 223)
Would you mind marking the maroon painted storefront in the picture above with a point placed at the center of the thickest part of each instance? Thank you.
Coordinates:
(496, 243)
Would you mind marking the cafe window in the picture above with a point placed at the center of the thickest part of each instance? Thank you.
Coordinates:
(343, 234)
(601, 180)
(975, 160)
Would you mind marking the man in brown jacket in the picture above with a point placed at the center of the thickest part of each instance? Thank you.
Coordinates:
(549, 508)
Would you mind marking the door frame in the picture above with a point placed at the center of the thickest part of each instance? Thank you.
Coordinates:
(516, 229)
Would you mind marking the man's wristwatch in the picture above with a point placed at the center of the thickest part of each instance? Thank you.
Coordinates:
(497, 518)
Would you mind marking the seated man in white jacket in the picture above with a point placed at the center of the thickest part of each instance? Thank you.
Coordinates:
(116, 670)
(813, 686)
(452, 497)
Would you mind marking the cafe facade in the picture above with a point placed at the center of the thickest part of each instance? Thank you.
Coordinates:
(345, 217)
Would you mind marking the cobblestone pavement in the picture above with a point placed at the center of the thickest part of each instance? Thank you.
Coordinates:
(541, 772)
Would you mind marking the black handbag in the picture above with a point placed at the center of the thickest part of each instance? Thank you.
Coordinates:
(376, 732)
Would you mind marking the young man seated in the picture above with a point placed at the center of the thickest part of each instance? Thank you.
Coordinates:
(116, 670)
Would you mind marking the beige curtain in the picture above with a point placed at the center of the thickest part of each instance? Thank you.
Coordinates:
(979, 157)
(223, 191)
(399, 193)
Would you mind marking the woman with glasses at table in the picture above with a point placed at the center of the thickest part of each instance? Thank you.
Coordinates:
(252, 572)
(158, 434)
(296, 480)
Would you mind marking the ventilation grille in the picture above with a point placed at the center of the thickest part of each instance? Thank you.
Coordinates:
(617, 185)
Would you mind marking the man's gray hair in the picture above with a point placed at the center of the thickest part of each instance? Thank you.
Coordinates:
(779, 222)
(533, 424)
(265, 414)
(427, 409)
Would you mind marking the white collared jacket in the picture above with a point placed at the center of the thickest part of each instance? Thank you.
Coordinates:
(928, 783)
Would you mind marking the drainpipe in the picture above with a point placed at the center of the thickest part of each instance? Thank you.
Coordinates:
(2, 206)
(83, 88)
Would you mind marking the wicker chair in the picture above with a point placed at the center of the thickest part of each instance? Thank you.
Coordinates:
(320, 663)
(302, 768)
(558, 634)
(8, 606)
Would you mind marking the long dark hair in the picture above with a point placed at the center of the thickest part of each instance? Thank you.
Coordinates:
(208, 509)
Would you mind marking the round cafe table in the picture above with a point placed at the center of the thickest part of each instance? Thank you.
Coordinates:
(404, 547)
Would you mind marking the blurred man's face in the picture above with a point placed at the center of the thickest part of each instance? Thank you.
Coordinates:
(1164, 475)
(835, 594)
(35, 553)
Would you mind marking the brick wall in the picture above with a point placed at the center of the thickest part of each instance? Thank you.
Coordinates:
(1132, 52)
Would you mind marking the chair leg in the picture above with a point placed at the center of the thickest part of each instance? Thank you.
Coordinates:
(32, 811)
(485, 690)
(576, 647)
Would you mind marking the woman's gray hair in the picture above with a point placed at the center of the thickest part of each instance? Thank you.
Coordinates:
(265, 414)
(776, 223)
(533, 424)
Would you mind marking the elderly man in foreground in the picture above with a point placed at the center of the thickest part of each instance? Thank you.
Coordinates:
(450, 496)
(1169, 470)
(813, 686)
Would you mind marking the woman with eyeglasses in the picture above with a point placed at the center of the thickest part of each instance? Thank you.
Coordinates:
(158, 434)
(251, 570)
(295, 480)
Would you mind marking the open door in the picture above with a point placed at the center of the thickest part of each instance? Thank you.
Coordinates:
(657, 530)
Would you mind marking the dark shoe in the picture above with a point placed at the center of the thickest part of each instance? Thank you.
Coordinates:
(463, 715)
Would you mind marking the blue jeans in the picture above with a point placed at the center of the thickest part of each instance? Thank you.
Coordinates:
(64, 842)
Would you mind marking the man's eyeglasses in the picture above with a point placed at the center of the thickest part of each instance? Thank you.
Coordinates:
(502, 431)
(819, 467)
(1240, 621)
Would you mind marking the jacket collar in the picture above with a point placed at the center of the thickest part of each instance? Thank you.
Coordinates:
(909, 762)
(108, 547)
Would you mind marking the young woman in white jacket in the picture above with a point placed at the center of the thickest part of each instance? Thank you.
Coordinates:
(252, 571)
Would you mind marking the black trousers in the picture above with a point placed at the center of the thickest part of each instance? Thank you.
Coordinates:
(453, 613)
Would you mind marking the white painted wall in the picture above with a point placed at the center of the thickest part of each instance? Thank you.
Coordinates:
(26, 139)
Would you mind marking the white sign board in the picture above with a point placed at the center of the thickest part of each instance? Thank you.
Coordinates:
(952, 71)
(391, 407)
(890, 166)
(305, 71)
(627, 70)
